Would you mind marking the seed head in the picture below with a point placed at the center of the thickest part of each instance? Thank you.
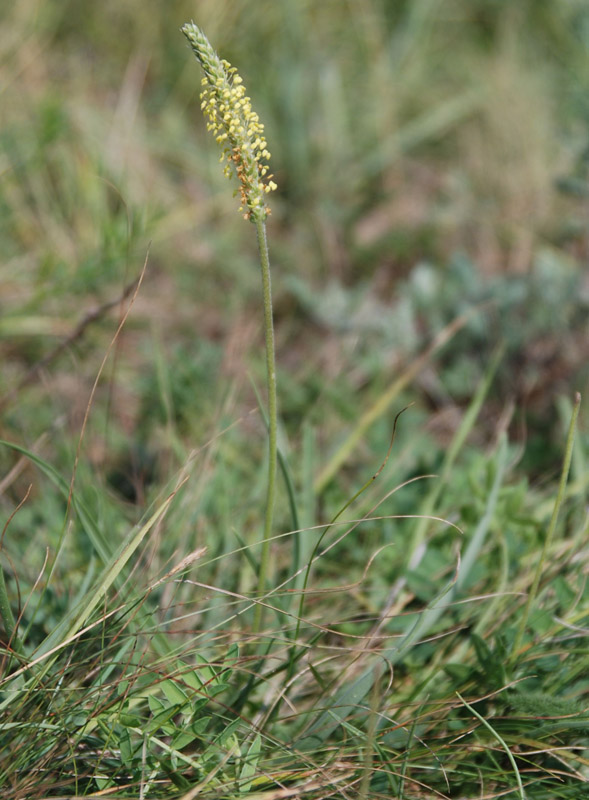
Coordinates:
(236, 127)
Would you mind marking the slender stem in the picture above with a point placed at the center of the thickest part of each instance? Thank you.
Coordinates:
(272, 417)
(503, 744)
(551, 526)
(8, 617)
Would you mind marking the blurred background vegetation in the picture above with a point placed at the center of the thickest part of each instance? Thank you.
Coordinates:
(432, 161)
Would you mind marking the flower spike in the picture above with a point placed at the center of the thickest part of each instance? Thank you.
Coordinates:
(236, 127)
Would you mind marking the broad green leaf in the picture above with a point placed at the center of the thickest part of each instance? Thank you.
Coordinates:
(174, 693)
(250, 764)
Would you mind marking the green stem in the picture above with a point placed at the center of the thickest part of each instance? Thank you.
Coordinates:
(8, 617)
(503, 744)
(551, 526)
(272, 417)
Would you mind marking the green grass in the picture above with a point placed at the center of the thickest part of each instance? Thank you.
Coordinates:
(429, 246)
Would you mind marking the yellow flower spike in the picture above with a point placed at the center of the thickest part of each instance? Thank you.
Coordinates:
(232, 120)
(239, 132)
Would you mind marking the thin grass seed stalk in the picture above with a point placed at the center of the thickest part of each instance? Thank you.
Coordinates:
(237, 128)
(241, 135)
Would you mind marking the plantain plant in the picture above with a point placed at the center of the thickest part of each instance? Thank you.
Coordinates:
(239, 132)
